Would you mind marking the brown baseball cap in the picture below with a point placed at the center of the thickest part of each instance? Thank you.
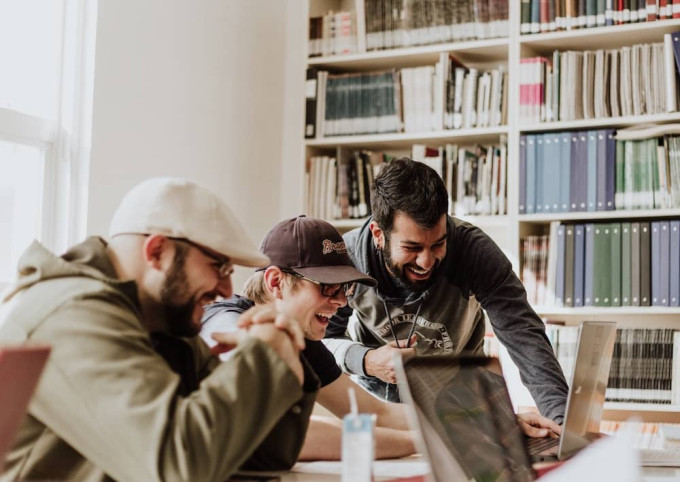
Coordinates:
(313, 248)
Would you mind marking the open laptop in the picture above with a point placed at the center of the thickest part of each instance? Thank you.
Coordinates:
(466, 422)
(20, 370)
(585, 402)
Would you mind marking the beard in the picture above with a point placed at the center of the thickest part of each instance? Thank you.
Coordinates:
(178, 316)
(399, 271)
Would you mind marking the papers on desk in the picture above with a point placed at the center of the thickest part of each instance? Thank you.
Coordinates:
(610, 458)
(660, 458)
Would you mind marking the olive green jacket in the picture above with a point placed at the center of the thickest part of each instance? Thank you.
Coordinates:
(108, 406)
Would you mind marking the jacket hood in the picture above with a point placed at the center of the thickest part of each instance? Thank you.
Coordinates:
(87, 259)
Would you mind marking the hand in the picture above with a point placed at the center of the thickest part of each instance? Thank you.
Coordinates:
(380, 361)
(535, 425)
(270, 313)
(276, 338)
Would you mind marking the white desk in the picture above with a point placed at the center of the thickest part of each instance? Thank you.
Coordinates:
(411, 466)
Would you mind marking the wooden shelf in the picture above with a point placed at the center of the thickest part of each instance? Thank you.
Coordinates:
(601, 123)
(598, 37)
(407, 139)
(478, 52)
(582, 311)
(645, 412)
(641, 407)
(347, 223)
(616, 215)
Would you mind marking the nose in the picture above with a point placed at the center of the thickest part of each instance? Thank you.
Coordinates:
(340, 299)
(225, 287)
(425, 259)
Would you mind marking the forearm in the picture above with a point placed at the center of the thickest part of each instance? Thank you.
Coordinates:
(392, 415)
(324, 441)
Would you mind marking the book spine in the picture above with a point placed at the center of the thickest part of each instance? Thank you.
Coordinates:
(569, 266)
(645, 264)
(674, 273)
(579, 264)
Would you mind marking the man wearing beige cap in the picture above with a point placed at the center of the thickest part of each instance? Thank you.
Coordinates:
(130, 392)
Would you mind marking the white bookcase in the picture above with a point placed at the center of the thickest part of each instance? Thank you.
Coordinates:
(509, 229)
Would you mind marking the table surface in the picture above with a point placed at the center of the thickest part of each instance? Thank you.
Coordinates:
(384, 470)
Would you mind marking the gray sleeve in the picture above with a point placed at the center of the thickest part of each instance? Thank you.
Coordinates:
(349, 355)
(522, 332)
(516, 325)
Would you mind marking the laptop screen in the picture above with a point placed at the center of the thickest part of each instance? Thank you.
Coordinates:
(586, 394)
(465, 418)
(20, 369)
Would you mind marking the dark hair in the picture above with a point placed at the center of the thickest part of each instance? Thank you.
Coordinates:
(410, 187)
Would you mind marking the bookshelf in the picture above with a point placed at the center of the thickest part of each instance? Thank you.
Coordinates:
(509, 229)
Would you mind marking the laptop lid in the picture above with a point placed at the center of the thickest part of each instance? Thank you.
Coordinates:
(585, 402)
(20, 369)
(466, 422)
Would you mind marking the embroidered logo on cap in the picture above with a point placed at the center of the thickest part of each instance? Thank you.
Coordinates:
(329, 246)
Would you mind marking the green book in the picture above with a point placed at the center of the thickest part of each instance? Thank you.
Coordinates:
(619, 200)
(615, 246)
(645, 264)
(635, 264)
(602, 265)
(625, 264)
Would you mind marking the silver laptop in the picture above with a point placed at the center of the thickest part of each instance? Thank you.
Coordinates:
(467, 429)
(585, 402)
(467, 426)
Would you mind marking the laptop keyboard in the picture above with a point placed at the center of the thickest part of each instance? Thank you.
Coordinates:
(538, 445)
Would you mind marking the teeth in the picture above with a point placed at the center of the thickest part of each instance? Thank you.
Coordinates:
(324, 315)
(419, 271)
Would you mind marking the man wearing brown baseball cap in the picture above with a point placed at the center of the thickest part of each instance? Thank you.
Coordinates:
(309, 278)
(130, 392)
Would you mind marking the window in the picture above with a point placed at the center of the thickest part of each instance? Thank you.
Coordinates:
(47, 64)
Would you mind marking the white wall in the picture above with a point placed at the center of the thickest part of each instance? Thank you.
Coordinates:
(198, 89)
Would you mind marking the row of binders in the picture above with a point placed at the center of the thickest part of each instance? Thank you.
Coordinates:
(642, 368)
(475, 178)
(596, 84)
(550, 15)
(599, 170)
(447, 95)
(604, 264)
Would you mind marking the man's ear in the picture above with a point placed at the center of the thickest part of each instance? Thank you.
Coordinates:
(273, 280)
(378, 235)
(154, 248)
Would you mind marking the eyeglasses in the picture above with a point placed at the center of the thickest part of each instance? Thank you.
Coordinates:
(223, 266)
(330, 290)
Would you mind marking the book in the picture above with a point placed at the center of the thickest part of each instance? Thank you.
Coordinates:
(645, 264)
(674, 271)
(579, 264)
(625, 264)
(569, 265)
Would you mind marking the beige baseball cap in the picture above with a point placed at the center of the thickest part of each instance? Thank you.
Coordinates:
(179, 208)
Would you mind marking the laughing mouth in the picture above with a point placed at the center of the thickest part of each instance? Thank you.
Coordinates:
(323, 317)
(419, 271)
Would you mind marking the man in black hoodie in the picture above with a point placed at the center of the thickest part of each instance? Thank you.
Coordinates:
(435, 274)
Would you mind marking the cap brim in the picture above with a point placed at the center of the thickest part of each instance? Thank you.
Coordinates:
(336, 274)
(249, 259)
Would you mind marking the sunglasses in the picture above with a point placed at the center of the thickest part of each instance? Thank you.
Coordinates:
(223, 267)
(329, 290)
